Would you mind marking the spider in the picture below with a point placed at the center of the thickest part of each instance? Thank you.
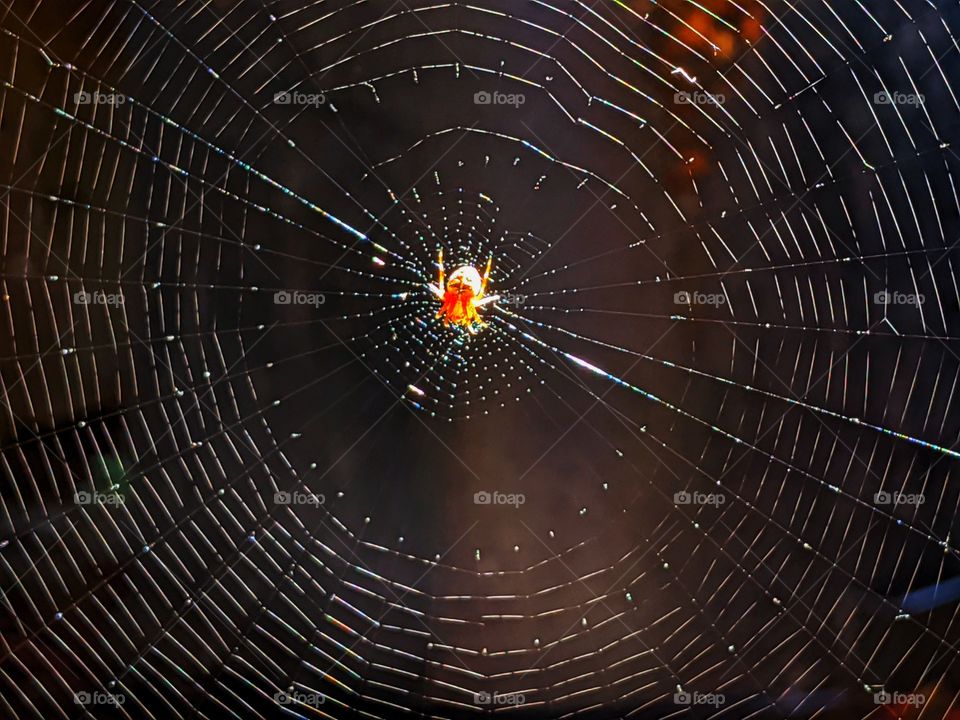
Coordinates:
(464, 292)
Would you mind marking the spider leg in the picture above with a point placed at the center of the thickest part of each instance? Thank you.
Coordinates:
(435, 290)
(486, 277)
(486, 300)
(441, 282)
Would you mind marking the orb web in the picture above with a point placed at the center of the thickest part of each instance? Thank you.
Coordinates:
(698, 463)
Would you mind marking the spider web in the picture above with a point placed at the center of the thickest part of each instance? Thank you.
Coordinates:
(697, 464)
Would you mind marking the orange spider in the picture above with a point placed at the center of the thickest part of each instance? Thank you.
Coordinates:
(464, 292)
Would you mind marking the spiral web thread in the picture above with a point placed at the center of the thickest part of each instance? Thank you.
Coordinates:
(730, 226)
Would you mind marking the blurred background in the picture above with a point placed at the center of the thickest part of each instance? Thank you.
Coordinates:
(699, 463)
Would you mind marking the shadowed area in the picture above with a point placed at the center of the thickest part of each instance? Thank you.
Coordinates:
(696, 461)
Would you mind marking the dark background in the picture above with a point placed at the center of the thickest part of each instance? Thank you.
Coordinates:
(201, 398)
